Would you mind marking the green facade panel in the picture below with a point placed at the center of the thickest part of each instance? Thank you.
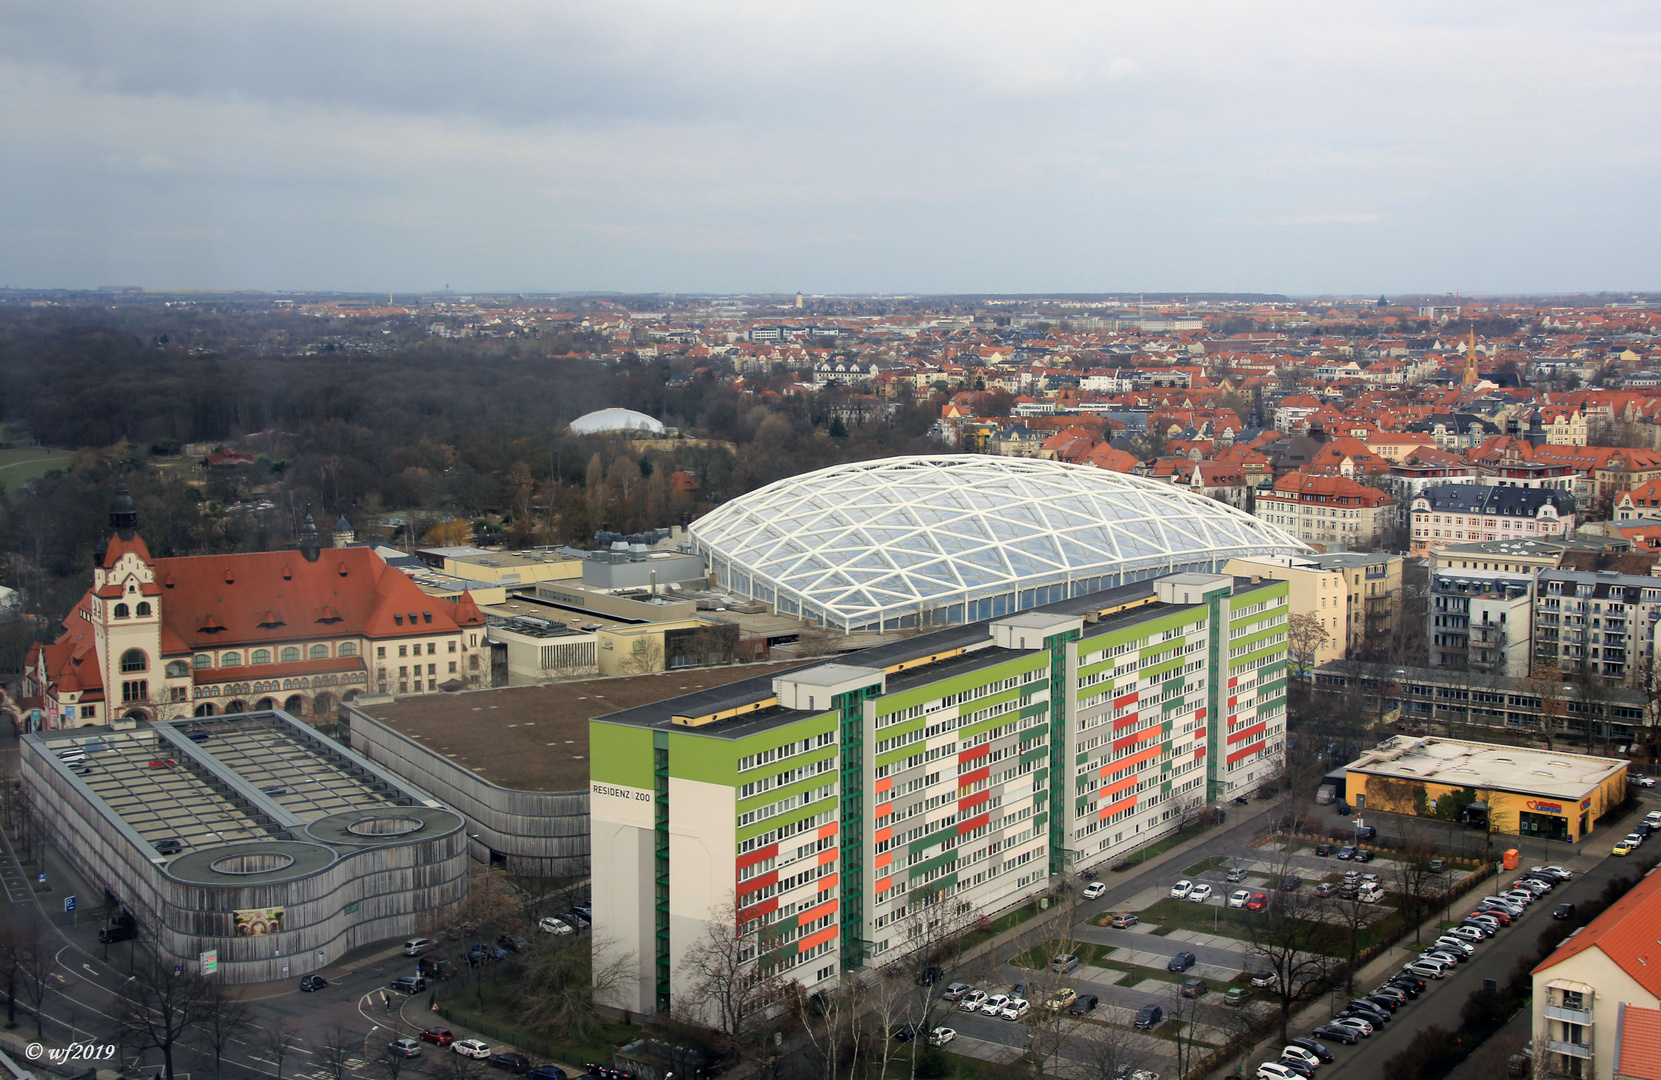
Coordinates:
(620, 754)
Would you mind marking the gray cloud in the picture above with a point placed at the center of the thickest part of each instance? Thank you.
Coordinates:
(829, 146)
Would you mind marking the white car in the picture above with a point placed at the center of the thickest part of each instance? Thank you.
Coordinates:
(1200, 893)
(1274, 1070)
(1642, 781)
(1094, 890)
(1557, 871)
(1365, 1027)
(1634, 839)
(1448, 941)
(471, 1048)
(551, 925)
(972, 1001)
(1466, 933)
(1238, 898)
(1017, 1008)
(1181, 889)
(994, 1005)
(940, 1036)
(1301, 1056)
(1521, 896)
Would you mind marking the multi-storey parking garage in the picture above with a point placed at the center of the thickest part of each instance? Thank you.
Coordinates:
(247, 835)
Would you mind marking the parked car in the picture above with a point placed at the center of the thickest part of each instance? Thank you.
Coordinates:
(471, 1048)
(408, 984)
(1064, 964)
(404, 1048)
(1093, 890)
(1148, 1017)
(1641, 780)
(1263, 979)
(1199, 894)
(109, 935)
(1622, 848)
(1428, 968)
(546, 1072)
(438, 1036)
(417, 946)
(1291, 883)
(1438, 866)
(1278, 1070)
(1300, 1055)
(1258, 902)
(1182, 961)
(1356, 1024)
(1181, 889)
(1562, 911)
(1235, 874)
(1017, 1008)
(1326, 888)
(510, 1062)
(553, 924)
(1061, 999)
(1366, 832)
(1238, 898)
(972, 1001)
(940, 1036)
(1555, 871)
(1338, 1033)
(1237, 995)
(1195, 988)
(1314, 1046)
(170, 846)
(1323, 850)
(1086, 1003)
(955, 991)
(313, 983)
(1347, 851)
(1363, 855)
(514, 943)
(994, 1005)
(1124, 920)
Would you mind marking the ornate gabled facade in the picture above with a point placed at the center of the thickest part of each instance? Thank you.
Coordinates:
(157, 639)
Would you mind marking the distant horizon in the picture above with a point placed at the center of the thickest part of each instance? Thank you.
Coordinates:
(1167, 296)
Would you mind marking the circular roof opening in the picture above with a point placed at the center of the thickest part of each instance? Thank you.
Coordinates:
(385, 826)
(261, 863)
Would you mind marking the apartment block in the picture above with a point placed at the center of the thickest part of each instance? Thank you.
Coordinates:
(1481, 620)
(1598, 623)
(817, 810)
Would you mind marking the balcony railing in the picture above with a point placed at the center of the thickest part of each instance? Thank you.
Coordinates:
(1568, 1049)
(1582, 1017)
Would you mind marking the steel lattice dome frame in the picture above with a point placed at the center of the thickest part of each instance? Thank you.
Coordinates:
(963, 537)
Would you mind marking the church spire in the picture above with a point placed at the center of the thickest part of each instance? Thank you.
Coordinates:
(123, 511)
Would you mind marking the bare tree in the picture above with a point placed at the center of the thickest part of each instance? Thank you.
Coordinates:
(160, 1006)
(225, 1016)
(29, 958)
(835, 1024)
(1294, 944)
(1418, 888)
(1305, 637)
(644, 657)
(559, 983)
(732, 984)
(333, 1051)
(1103, 1052)
(278, 1040)
(930, 931)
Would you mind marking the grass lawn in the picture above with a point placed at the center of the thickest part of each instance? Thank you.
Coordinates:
(970, 1068)
(30, 463)
(458, 1005)
(1215, 862)
(999, 925)
(1159, 847)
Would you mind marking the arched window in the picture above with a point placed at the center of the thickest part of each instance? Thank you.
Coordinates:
(121, 611)
(348, 648)
(260, 656)
(319, 652)
(143, 608)
(231, 659)
(177, 669)
(290, 654)
(134, 660)
(203, 659)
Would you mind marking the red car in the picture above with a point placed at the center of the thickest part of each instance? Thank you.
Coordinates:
(1258, 902)
(161, 764)
(1504, 917)
(438, 1036)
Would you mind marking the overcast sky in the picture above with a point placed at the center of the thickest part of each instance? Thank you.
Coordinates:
(1354, 147)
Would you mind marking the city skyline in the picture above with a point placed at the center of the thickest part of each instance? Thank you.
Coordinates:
(736, 148)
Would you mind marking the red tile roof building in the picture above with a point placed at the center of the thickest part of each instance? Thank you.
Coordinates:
(1327, 509)
(1597, 997)
(300, 630)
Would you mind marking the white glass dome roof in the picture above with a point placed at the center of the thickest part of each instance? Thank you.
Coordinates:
(964, 537)
(603, 420)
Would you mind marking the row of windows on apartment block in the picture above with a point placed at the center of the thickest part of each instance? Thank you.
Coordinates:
(1037, 675)
(1142, 806)
(962, 886)
(951, 795)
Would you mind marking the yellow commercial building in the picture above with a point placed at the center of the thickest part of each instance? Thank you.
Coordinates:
(1520, 790)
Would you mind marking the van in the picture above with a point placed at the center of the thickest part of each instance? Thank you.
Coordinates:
(1429, 969)
(418, 946)
(1325, 794)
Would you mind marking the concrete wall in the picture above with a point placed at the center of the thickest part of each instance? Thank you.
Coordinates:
(538, 833)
